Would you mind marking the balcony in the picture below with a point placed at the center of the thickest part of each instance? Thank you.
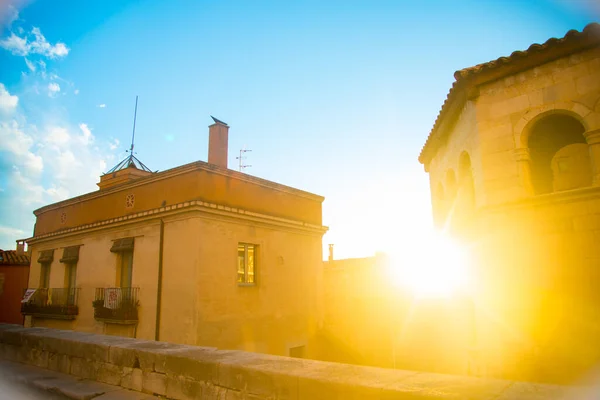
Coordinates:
(116, 305)
(55, 303)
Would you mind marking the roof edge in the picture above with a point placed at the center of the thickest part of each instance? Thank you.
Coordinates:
(471, 77)
(196, 165)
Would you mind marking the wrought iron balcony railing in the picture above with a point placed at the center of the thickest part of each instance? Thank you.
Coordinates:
(116, 304)
(51, 302)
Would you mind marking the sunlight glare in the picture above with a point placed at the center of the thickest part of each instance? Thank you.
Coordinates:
(432, 266)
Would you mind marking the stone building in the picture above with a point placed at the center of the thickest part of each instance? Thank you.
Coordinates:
(198, 254)
(14, 273)
(514, 167)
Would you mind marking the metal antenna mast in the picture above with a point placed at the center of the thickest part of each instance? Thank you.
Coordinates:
(241, 158)
(134, 118)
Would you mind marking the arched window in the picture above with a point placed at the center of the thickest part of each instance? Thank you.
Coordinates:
(466, 183)
(559, 155)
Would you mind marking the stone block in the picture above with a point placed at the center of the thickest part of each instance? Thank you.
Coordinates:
(260, 374)
(83, 368)
(183, 388)
(13, 335)
(109, 373)
(154, 383)
(430, 385)
(59, 363)
(9, 352)
(132, 378)
(142, 354)
(560, 92)
(532, 391)
(507, 107)
(38, 357)
(199, 364)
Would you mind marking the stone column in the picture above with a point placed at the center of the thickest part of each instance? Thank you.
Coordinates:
(524, 165)
(593, 140)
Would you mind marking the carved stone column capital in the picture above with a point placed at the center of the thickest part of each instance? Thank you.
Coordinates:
(522, 154)
(592, 137)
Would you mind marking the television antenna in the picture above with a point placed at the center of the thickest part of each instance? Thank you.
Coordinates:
(241, 159)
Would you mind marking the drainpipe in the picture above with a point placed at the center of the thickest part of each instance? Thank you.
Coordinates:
(159, 287)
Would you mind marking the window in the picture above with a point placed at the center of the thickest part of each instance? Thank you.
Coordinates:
(297, 352)
(126, 269)
(45, 275)
(70, 258)
(45, 260)
(124, 248)
(246, 263)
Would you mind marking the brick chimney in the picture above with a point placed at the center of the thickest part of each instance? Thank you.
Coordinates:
(20, 247)
(218, 134)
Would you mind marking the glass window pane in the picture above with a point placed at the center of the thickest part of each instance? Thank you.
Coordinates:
(250, 263)
(241, 264)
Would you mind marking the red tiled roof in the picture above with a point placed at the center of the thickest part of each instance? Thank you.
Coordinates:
(10, 257)
(536, 54)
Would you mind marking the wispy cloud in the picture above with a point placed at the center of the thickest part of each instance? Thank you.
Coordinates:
(10, 231)
(8, 102)
(102, 105)
(33, 43)
(53, 89)
(30, 65)
(8, 15)
(76, 91)
(114, 144)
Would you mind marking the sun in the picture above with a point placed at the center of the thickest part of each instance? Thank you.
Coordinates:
(432, 266)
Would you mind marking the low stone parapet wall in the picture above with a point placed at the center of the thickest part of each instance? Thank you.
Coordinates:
(190, 372)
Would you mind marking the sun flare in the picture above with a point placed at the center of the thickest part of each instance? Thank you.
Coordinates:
(433, 266)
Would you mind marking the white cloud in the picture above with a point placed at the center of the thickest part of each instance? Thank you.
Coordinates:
(34, 43)
(15, 44)
(86, 138)
(114, 145)
(57, 136)
(8, 102)
(76, 91)
(30, 65)
(53, 89)
(10, 231)
(14, 141)
(101, 105)
(8, 15)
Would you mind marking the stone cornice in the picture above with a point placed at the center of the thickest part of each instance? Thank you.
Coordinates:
(591, 192)
(209, 209)
(194, 166)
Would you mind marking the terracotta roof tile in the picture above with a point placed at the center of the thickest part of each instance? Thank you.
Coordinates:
(10, 257)
(466, 75)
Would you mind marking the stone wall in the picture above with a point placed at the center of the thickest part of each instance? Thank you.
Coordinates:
(187, 372)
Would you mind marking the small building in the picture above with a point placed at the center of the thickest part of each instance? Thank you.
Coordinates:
(14, 274)
(198, 254)
(514, 168)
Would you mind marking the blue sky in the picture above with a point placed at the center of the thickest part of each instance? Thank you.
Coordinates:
(333, 97)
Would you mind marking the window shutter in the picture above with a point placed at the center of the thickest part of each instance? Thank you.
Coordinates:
(122, 245)
(46, 256)
(70, 255)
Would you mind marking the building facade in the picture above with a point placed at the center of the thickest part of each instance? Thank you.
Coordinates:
(514, 168)
(197, 254)
(14, 274)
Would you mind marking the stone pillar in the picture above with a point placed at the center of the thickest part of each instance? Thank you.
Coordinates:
(524, 165)
(593, 140)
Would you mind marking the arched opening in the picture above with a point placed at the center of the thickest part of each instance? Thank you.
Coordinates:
(450, 185)
(439, 205)
(466, 183)
(559, 154)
